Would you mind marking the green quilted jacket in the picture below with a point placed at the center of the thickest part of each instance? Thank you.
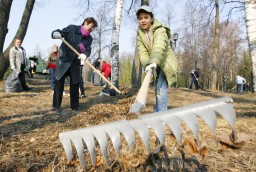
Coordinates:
(159, 51)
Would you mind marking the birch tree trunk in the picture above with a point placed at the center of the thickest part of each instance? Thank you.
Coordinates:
(136, 71)
(250, 10)
(115, 44)
(4, 57)
(216, 48)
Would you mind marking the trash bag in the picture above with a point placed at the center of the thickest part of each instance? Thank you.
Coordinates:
(12, 84)
(96, 79)
(112, 92)
(108, 91)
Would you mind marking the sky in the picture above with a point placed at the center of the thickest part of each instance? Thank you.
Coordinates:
(51, 15)
(57, 14)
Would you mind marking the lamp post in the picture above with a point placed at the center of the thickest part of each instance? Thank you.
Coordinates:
(175, 38)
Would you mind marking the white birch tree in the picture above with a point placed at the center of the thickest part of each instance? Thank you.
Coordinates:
(250, 10)
(114, 51)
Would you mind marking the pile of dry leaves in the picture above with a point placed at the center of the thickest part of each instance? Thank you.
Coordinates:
(29, 133)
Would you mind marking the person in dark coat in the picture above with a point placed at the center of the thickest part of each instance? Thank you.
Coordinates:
(97, 62)
(68, 63)
(194, 74)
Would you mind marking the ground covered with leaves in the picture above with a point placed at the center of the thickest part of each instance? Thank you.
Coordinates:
(29, 132)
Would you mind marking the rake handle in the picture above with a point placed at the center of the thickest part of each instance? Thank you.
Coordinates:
(141, 97)
(143, 92)
(91, 66)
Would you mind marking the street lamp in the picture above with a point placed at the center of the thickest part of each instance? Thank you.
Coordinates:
(175, 38)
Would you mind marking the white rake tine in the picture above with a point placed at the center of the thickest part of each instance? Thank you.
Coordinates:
(209, 116)
(115, 138)
(66, 142)
(142, 130)
(227, 111)
(78, 143)
(158, 127)
(89, 141)
(173, 123)
(101, 137)
(191, 120)
(127, 132)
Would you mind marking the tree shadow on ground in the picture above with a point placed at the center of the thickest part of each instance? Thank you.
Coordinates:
(173, 164)
(36, 120)
(234, 96)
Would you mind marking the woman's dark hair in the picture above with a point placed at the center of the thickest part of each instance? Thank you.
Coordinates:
(89, 20)
(151, 14)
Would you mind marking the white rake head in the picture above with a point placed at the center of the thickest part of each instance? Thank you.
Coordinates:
(171, 118)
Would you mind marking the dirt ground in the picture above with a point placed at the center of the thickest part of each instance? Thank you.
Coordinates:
(29, 131)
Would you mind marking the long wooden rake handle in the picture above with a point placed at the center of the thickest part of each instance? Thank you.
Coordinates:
(141, 98)
(91, 66)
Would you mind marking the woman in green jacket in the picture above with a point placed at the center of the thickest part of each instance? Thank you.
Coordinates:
(155, 52)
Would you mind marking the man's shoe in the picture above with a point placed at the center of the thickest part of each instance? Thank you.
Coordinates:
(58, 110)
(27, 89)
(75, 110)
(83, 96)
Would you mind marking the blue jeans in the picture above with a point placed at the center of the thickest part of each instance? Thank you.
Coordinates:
(52, 71)
(240, 88)
(161, 90)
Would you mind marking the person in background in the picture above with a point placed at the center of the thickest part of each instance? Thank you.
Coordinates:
(194, 75)
(97, 63)
(18, 61)
(247, 87)
(95, 78)
(68, 63)
(32, 67)
(155, 52)
(51, 64)
(106, 68)
(240, 81)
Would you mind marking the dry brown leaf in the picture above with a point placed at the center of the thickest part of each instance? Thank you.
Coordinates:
(203, 149)
(99, 161)
(226, 140)
(74, 163)
(63, 157)
(242, 137)
(32, 139)
(135, 161)
(22, 169)
(131, 116)
(234, 170)
(222, 147)
(192, 147)
(126, 165)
